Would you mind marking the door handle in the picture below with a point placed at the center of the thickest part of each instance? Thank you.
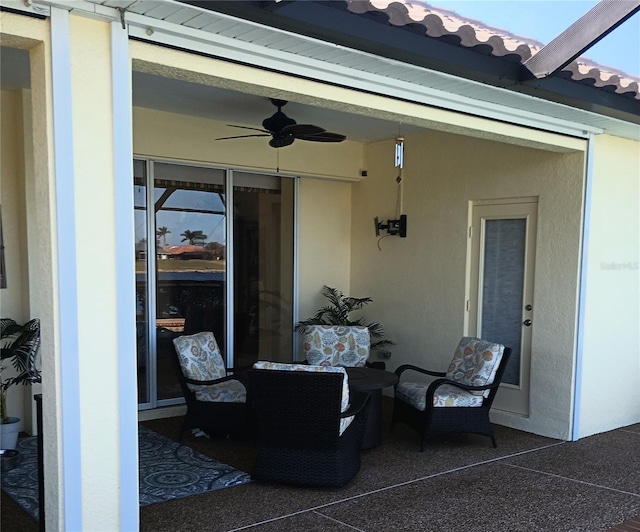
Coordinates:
(527, 323)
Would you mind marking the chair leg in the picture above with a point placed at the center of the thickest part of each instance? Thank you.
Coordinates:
(182, 428)
(493, 440)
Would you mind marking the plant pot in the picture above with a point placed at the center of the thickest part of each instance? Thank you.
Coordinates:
(9, 433)
(9, 459)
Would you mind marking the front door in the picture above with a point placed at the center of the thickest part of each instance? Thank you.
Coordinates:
(500, 303)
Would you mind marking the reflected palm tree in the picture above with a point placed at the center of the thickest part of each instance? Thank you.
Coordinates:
(162, 233)
(193, 237)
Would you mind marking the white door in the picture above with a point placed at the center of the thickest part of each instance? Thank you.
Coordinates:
(500, 302)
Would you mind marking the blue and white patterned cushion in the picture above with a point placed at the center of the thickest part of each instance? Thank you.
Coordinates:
(344, 405)
(336, 345)
(231, 391)
(475, 363)
(200, 358)
(415, 394)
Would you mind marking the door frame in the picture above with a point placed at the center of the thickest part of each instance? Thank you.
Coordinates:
(511, 398)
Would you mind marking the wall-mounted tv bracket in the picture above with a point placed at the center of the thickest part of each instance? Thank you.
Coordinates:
(393, 227)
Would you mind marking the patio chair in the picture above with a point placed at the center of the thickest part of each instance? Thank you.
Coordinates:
(338, 345)
(460, 399)
(215, 399)
(309, 427)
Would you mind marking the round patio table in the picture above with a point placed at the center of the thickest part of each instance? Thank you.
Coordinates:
(372, 381)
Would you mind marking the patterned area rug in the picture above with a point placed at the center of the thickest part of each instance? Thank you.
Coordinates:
(168, 470)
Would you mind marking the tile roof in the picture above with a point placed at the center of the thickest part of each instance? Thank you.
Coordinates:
(448, 26)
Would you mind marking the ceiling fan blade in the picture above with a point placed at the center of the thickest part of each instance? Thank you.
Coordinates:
(323, 137)
(281, 142)
(244, 136)
(302, 129)
(247, 127)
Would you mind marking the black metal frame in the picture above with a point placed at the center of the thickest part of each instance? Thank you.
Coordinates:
(212, 416)
(298, 419)
(435, 421)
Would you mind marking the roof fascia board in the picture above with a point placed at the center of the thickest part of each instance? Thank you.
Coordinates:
(375, 32)
(327, 22)
(27, 8)
(150, 29)
(222, 47)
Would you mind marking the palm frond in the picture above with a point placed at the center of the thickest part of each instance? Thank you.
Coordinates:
(338, 312)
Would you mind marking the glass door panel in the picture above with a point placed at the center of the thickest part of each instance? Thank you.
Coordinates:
(183, 281)
(263, 221)
(141, 255)
(502, 287)
(190, 225)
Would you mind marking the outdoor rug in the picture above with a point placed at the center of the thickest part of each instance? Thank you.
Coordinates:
(168, 471)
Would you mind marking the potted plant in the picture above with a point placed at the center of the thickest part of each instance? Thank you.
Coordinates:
(19, 349)
(338, 312)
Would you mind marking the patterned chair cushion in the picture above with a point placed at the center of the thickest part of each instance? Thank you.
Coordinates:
(344, 405)
(475, 363)
(231, 391)
(415, 394)
(336, 345)
(200, 358)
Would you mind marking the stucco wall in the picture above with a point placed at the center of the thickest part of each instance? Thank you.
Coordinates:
(324, 244)
(14, 300)
(610, 388)
(418, 282)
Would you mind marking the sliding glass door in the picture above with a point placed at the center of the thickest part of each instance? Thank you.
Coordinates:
(221, 260)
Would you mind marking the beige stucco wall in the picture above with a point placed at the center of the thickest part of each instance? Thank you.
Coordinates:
(418, 282)
(167, 135)
(611, 398)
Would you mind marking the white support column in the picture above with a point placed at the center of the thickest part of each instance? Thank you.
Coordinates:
(125, 268)
(71, 451)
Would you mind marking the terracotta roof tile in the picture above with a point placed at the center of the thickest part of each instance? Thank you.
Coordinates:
(447, 25)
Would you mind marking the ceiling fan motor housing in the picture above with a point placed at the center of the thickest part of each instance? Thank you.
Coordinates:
(277, 122)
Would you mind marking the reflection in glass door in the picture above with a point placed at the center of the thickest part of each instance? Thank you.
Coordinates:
(198, 278)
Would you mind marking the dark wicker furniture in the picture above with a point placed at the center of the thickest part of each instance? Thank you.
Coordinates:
(435, 421)
(211, 416)
(298, 418)
(371, 380)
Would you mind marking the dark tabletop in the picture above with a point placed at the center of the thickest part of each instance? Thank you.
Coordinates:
(367, 379)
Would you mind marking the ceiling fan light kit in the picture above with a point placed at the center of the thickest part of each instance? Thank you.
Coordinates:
(284, 130)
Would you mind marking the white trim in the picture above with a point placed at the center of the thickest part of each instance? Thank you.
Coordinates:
(71, 448)
(229, 271)
(296, 266)
(582, 291)
(125, 268)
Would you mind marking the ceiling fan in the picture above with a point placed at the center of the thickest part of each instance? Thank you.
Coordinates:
(284, 130)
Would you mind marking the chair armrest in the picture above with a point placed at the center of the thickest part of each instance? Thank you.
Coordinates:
(213, 381)
(400, 370)
(359, 401)
(439, 382)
